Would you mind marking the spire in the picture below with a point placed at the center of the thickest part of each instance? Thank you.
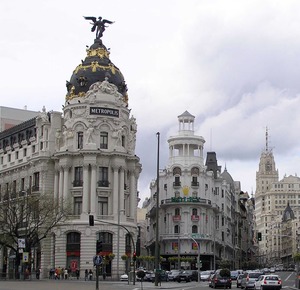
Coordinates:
(267, 140)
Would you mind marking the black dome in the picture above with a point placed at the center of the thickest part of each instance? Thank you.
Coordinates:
(96, 67)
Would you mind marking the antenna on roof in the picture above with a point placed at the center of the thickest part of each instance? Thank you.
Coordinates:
(267, 140)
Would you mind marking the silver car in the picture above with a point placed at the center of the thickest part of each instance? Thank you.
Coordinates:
(249, 279)
(172, 275)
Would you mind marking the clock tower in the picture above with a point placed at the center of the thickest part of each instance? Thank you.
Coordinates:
(267, 173)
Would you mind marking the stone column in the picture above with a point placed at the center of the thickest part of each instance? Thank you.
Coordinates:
(56, 183)
(66, 183)
(85, 189)
(61, 185)
(121, 189)
(94, 201)
(115, 191)
(133, 193)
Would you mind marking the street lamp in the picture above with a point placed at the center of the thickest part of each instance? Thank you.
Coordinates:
(118, 241)
(157, 215)
(198, 258)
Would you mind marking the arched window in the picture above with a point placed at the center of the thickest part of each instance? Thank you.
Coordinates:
(177, 211)
(177, 229)
(107, 241)
(128, 244)
(194, 229)
(194, 211)
(79, 140)
(73, 249)
(103, 140)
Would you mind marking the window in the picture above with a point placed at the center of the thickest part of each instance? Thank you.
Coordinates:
(103, 140)
(8, 157)
(17, 155)
(22, 184)
(77, 205)
(102, 206)
(79, 140)
(195, 181)
(36, 181)
(78, 176)
(194, 211)
(177, 181)
(177, 211)
(194, 229)
(177, 229)
(25, 152)
(103, 177)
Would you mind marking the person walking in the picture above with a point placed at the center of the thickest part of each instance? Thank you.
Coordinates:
(86, 275)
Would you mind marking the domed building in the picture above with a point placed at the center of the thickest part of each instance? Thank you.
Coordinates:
(196, 206)
(85, 160)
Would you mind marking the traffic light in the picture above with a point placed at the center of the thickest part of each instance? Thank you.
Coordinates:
(259, 238)
(134, 256)
(99, 247)
(91, 220)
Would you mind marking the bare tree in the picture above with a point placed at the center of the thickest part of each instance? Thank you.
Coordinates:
(30, 217)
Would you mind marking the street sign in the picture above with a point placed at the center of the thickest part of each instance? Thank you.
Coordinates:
(21, 243)
(25, 257)
(97, 260)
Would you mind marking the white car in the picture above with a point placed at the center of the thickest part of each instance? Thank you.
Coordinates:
(205, 275)
(124, 277)
(266, 282)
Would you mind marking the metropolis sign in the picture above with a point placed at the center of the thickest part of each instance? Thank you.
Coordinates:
(104, 111)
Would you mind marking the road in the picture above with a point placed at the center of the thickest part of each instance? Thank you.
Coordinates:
(288, 280)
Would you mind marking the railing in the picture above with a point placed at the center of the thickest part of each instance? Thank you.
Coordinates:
(195, 184)
(103, 183)
(176, 184)
(176, 218)
(186, 200)
(77, 183)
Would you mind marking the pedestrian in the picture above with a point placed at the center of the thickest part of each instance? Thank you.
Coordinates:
(66, 274)
(77, 273)
(37, 274)
(90, 274)
(86, 274)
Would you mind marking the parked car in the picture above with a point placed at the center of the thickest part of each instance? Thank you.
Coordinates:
(148, 276)
(184, 276)
(194, 274)
(239, 280)
(220, 281)
(266, 282)
(124, 277)
(204, 276)
(234, 275)
(249, 279)
(163, 276)
(173, 275)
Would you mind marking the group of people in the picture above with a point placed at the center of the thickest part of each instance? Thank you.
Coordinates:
(62, 273)
(88, 275)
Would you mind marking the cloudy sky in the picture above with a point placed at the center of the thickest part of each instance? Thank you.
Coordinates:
(234, 65)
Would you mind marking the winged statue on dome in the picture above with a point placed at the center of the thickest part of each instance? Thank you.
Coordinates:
(98, 24)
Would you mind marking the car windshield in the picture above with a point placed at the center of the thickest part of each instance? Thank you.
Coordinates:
(272, 278)
(254, 275)
(205, 273)
(234, 272)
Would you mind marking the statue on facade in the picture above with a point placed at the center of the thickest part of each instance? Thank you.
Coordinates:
(89, 133)
(98, 25)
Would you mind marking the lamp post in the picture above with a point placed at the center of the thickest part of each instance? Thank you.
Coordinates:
(118, 240)
(157, 215)
(198, 258)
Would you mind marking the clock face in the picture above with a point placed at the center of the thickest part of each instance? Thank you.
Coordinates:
(268, 166)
